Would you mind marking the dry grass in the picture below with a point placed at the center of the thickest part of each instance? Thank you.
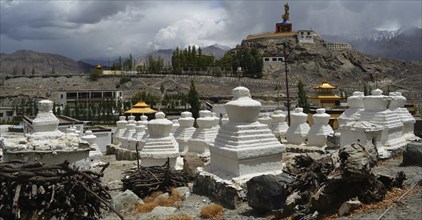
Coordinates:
(213, 212)
(393, 195)
(180, 217)
(151, 201)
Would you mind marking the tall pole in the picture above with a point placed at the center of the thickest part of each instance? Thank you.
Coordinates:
(287, 83)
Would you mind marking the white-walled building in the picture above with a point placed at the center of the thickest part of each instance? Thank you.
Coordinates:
(305, 36)
(93, 96)
(7, 114)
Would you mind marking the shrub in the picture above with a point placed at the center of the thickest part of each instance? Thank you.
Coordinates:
(213, 212)
(151, 201)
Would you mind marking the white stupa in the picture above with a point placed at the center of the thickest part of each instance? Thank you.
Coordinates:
(121, 128)
(138, 137)
(46, 144)
(91, 139)
(204, 135)
(225, 119)
(185, 131)
(129, 131)
(159, 144)
(144, 121)
(175, 126)
(243, 146)
(317, 135)
(298, 130)
(352, 113)
(265, 119)
(377, 112)
(279, 126)
(397, 106)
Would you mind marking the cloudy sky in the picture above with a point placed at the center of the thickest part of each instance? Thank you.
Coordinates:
(110, 28)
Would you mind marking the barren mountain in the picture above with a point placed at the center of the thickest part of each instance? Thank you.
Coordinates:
(402, 44)
(27, 62)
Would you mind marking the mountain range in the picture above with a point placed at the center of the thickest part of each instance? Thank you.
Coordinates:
(400, 44)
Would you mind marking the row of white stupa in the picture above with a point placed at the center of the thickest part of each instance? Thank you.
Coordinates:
(240, 146)
(377, 119)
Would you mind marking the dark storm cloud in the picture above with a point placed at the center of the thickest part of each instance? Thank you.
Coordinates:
(109, 28)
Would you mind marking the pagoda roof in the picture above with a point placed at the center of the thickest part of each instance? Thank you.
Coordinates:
(141, 105)
(324, 85)
(141, 108)
(326, 97)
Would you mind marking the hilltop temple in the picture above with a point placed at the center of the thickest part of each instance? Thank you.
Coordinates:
(284, 29)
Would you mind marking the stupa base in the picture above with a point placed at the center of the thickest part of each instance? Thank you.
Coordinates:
(230, 193)
(78, 157)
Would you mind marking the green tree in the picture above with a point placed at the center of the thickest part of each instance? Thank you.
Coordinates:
(193, 100)
(54, 108)
(94, 75)
(302, 98)
(365, 90)
(66, 110)
(33, 71)
(23, 71)
(53, 71)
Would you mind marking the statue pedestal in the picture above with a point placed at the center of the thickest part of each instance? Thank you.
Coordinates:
(283, 27)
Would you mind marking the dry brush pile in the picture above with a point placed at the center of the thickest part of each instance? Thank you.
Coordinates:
(36, 191)
(144, 181)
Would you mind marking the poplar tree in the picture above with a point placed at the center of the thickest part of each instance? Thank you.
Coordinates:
(193, 100)
(302, 98)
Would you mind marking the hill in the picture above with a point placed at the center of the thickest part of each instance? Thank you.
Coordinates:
(22, 62)
(340, 64)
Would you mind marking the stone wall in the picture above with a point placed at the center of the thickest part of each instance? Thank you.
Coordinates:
(338, 46)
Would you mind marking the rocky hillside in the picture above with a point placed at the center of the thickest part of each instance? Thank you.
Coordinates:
(22, 62)
(345, 68)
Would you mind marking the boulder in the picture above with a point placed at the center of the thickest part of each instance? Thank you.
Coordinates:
(191, 161)
(268, 192)
(184, 191)
(126, 200)
(161, 211)
(412, 154)
(349, 206)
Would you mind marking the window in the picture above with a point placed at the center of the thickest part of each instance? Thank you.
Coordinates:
(61, 96)
(71, 95)
(274, 58)
(280, 59)
(267, 59)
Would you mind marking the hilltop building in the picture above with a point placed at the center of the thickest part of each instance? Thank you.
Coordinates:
(305, 36)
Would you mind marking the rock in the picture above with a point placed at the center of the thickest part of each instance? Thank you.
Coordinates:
(191, 161)
(229, 195)
(349, 206)
(126, 200)
(267, 192)
(110, 149)
(163, 196)
(184, 191)
(163, 211)
(412, 154)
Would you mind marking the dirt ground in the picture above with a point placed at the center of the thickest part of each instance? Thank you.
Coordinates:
(403, 203)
